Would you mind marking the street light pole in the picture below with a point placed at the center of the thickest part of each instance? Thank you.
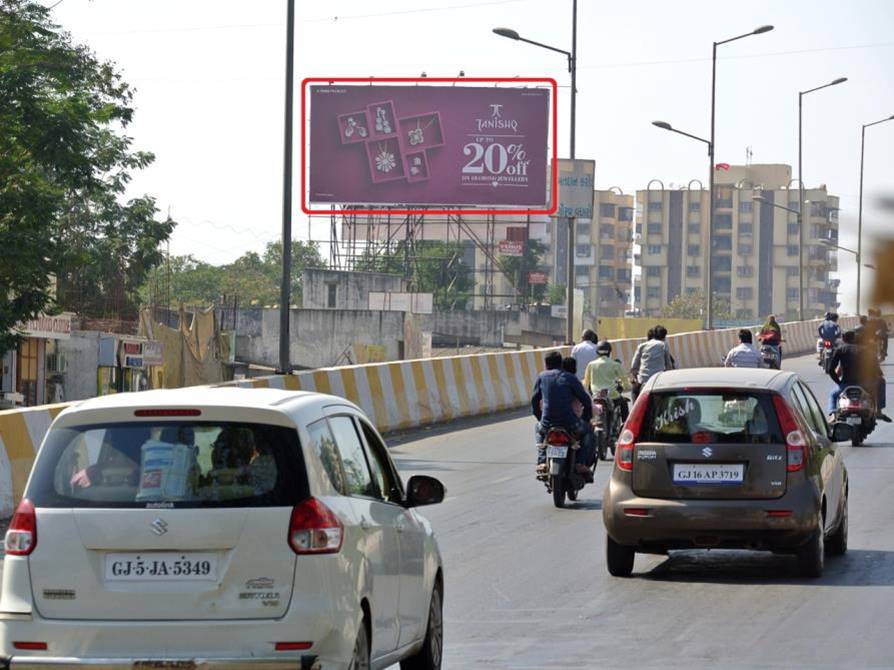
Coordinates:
(860, 207)
(572, 68)
(709, 296)
(803, 218)
(285, 295)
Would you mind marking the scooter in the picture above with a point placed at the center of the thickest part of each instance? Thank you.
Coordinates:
(824, 352)
(607, 422)
(770, 355)
(856, 407)
(561, 477)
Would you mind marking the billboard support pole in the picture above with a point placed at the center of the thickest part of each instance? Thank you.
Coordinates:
(285, 296)
(569, 284)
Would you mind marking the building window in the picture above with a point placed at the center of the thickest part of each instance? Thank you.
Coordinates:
(745, 293)
(792, 250)
(723, 243)
(655, 206)
(724, 197)
(744, 271)
(606, 272)
(794, 204)
(625, 213)
(818, 209)
(792, 272)
(746, 228)
(791, 293)
(653, 229)
(623, 275)
(693, 250)
(653, 249)
(606, 210)
(606, 231)
(792, 229)
(582, 270)
(331, 295)
(653, 271)
(653, 291)
(582, 250)
(582, 229)
(746, 249)
(722, 264)
(692, 290)
(746, 206)
(693, 271)
(607, 252)
(695, 206)
(723, 222)
(694, 228)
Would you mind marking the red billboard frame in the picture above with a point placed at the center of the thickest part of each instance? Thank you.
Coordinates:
(554, 177)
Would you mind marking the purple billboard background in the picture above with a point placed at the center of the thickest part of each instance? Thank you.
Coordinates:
(429, 145)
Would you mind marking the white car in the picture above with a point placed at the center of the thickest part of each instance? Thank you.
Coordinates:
(220, 528)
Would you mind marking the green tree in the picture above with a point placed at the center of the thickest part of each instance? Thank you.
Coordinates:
(692, 306)
(64, 162)
(556, 294)
(518, 268)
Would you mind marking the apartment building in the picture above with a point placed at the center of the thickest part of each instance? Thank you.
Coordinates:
(755, 245)
(603, 254)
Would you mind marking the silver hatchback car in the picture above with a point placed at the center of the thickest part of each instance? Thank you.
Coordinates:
(220, 528)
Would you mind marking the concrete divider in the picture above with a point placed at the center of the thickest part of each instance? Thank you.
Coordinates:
(403, 394)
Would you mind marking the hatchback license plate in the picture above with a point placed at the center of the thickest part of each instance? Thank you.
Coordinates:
(854, 420)
(557, 452)
(161, 567)
(708, 473)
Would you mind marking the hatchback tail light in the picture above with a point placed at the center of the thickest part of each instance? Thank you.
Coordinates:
(630, 433)
(795, 441)
(21, 538)
(314, 529)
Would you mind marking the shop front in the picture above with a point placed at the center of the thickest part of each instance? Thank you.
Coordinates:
(33, 373)
(128, 364)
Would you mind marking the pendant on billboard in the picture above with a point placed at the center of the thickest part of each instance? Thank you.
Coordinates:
(382, 124)
(385, 160)
(415, 135)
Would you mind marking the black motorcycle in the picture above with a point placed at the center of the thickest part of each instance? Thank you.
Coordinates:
(856, 407)
(608, 421)
(561, 476)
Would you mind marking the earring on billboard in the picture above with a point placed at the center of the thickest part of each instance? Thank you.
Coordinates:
(349, 127)
(382, 123)
(385, 161)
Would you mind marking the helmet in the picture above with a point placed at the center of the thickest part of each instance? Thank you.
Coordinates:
(828, 316)
(604, 348)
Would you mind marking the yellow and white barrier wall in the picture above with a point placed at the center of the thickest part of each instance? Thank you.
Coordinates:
(403, 394)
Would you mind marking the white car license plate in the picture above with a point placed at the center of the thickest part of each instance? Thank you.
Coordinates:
(854, 420)
(161, 567)
(557, 452)
(708, 473)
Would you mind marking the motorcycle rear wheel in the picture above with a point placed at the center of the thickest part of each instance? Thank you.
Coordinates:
(558, 486)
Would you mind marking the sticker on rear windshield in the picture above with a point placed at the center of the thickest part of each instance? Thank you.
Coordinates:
(647, 454)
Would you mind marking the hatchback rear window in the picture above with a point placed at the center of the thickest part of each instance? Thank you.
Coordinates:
(718, 417)
(170, 464)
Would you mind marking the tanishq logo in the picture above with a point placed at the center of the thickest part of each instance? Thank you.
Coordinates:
(706, 452)
(496, 120)
(159, 526)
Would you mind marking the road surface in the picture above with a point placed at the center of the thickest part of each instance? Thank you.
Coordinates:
(527, 587)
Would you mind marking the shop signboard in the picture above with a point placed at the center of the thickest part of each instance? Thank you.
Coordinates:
(45, 327)
(511, 248)
(537, 278)
(429, 145)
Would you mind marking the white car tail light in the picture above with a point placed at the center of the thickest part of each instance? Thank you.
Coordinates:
(627, 440)
(21, 538)
(795, 442)
(314, 529)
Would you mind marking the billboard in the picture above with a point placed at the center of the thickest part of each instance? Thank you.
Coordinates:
(411, 145)
(577, 179)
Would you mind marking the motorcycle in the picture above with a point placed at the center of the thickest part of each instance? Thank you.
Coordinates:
(607, 422)
(561, 477)
(770, 355)
(856, 407)
(824, 352)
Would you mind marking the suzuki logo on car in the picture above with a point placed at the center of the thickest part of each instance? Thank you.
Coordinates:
(706, 452)
(159, 526)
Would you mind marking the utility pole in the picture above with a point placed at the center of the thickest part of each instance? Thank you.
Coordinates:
(285, 296)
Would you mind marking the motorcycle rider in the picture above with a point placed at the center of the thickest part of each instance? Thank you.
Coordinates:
(651, 357)
(880, 327)
(551, 403)
(585, 351)
(744, 355)
(605, 373)
(771, 334)
(851, 365)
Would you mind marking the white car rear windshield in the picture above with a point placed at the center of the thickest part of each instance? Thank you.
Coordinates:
(729, 417)
(169, 464)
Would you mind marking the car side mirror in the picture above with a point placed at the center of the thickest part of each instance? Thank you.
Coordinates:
(842, 432)
(424, 490)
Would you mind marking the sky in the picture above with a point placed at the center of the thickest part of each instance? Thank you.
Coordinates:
(209, 80)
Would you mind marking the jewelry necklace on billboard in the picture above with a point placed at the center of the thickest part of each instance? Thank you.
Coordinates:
(415, 134)
(385, 160)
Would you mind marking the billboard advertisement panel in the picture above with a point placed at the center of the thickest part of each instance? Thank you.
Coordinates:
(429, 145)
